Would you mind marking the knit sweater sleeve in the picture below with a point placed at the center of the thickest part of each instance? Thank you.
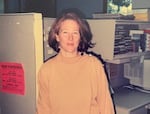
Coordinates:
(43, 105)
(104, 99)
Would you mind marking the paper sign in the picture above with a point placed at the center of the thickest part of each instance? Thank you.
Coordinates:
(12, 78)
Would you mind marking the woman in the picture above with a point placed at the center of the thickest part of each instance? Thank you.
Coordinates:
(72, 82)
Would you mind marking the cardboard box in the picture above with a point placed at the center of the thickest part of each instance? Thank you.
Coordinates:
(142, 14)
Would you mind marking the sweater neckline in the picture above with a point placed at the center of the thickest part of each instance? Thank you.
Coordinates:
(69, 60)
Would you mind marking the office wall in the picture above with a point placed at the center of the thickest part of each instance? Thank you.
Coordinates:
(51, 8)
(12, 6)
(141, 3)
(88, 7)
(46, 7)
(1, 6)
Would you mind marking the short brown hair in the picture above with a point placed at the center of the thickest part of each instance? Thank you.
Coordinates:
(84, 29)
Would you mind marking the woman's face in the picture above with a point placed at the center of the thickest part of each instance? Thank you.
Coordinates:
(69, 36)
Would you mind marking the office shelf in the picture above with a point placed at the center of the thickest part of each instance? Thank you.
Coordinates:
(115, 39)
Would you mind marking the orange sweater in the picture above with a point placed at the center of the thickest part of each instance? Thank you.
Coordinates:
(76, 85)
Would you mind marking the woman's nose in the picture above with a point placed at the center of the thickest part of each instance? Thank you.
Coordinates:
(71, 36)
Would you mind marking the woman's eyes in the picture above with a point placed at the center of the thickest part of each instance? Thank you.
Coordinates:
(74, 33)
(64, 32)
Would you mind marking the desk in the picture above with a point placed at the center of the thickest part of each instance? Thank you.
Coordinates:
(128, 101)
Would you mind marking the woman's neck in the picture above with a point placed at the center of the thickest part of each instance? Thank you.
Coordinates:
(69, 54)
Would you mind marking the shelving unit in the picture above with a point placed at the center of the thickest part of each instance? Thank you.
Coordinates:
(124, 42)
(113, 38)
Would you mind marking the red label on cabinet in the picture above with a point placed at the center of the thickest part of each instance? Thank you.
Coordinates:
(12, 78)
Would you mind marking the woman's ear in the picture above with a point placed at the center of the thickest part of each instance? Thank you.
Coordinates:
(57, 37)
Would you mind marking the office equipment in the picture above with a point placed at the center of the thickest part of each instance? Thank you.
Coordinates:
(130, 101)
(119, 42)
(137, 71)
(113, 37)
(21, 42)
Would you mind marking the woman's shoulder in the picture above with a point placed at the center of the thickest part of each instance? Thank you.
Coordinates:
(49, 63)
(96, 58)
